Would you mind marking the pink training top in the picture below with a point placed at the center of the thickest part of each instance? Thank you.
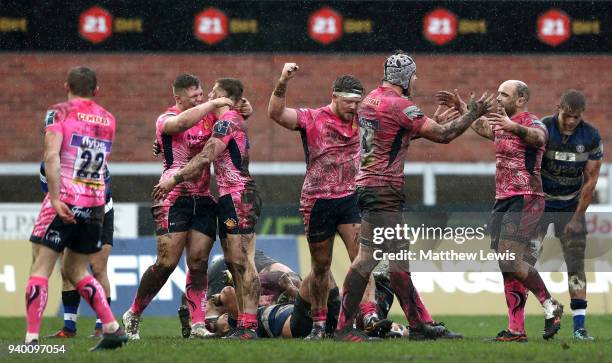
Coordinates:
(387, 122)
(88, 132)
(232, 166)
(331, 147)
(518, 165)
(178, 149)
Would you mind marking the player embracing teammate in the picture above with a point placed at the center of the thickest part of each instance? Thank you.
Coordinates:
(185, 216)
(239, 202)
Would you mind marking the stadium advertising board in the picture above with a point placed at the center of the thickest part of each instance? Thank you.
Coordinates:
(128, 261)
(341, 26)
(473, 292)
(17, 220)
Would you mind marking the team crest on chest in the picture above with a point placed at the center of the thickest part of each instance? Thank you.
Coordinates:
(230, 223)
(580, 148)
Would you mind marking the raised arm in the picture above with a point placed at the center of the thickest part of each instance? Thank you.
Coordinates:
(482, 128)
(442, 117)
(188, 118)
(446, 133)
(284, 116)
(451, 99)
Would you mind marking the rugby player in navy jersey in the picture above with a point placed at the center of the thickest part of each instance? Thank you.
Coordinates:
(570, 169)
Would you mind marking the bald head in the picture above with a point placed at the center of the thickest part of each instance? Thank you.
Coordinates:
(513, 95)
(519, 88)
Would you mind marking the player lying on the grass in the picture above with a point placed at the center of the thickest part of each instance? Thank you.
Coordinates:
(186, 217)
(388, 120)
(277, 281)
(288, 319)
(570, 169)
(78, 138)
(520, 139)
(328, 201)
(292, 319)
(239, 202)
(99, 260)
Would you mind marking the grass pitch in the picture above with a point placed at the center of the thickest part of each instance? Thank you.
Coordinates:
(161, 342)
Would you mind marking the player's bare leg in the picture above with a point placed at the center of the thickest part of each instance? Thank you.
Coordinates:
(99, 263)
(75, 267)
(169, 250)
(198, 249)
(239, 250)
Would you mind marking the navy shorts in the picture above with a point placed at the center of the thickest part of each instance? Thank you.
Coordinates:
(516, 219)
(322, 221)
(83, 237)
(188, 212)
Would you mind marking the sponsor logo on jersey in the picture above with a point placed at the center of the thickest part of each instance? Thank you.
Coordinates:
(369, 124)
(580, 148)
(230, 223)
(94, 119)
(221, 127)
(413, 112)
(371, 101)
(84, 213)
(50, 117)
(90, 143)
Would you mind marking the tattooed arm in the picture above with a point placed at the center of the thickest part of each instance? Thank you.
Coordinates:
(284, 116)
(532, 136)
(188, 118)
(213, 148)
(482, 128)
(446, 133)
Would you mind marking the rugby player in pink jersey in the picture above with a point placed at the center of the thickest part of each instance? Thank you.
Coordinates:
(78, 138)
(185, 219)
(239, 202)
(520, 140)
(328, 203)
(388, 119)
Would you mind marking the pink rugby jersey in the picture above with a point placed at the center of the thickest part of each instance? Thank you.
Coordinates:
(331, 148)
(517, 166)
(88, 132)
(387, 122)
(232, 166)
(178, 149)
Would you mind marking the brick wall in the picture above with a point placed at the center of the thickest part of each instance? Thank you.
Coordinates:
(136, 88)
